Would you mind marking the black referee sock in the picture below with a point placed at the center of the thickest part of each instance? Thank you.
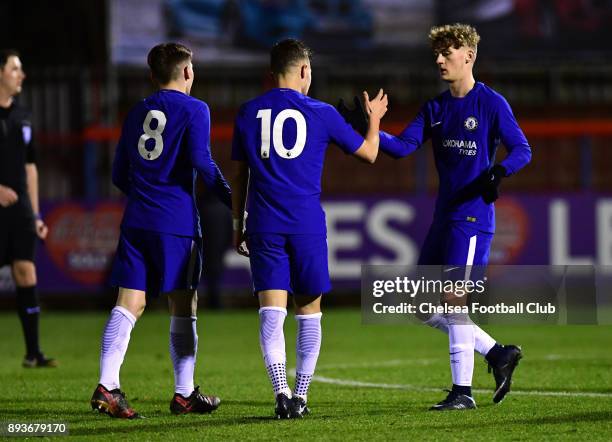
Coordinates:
(29, 310)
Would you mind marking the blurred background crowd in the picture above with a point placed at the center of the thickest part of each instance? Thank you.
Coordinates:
(85, 63)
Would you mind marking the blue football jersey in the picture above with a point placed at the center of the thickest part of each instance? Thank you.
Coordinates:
(465, 133)
(164, 144)
(283, 136)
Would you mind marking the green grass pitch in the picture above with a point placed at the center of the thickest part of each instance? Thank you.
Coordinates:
(375, 382)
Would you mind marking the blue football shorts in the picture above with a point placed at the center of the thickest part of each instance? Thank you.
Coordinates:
(459, 246)
(296, 263)
(156, 262)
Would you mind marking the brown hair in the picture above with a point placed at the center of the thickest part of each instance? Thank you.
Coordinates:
(455, 35)
(165, 60)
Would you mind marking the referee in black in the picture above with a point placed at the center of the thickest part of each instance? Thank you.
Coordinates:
(20, 221)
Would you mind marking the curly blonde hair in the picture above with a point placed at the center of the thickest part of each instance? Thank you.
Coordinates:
(455, 35)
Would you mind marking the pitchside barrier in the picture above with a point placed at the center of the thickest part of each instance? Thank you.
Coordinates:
(537, 224)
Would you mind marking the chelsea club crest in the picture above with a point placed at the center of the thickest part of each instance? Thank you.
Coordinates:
(470, 123)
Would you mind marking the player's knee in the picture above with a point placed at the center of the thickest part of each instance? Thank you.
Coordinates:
(24, 273)
(134, 301)
(135, 308)
(183, 303)
(307, 305)
(139, 310)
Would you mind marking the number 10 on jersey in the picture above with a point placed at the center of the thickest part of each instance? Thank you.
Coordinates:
(277, 133)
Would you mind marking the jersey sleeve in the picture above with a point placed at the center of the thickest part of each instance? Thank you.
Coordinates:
(519, 151)
(121, 163)
(340, 132)
(238, 153)
(410, 139)
(198, 142)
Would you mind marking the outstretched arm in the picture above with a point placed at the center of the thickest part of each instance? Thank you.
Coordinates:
(376, 109)
(409, 140)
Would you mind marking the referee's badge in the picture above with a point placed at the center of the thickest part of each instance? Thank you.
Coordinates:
(470, 123)
(27, 134)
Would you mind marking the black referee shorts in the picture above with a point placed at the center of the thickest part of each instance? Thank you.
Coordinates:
(17, 234)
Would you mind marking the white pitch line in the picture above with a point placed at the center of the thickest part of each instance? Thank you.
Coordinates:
(557, 357)
(424, 389)
(353, 383)
(390, 363)
(431, 361)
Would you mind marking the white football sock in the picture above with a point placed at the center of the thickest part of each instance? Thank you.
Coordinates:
(272, 343)
(483, 342)
(115, 340)
(461, 345)
(308, 345)
(438, 320)
(183, 351)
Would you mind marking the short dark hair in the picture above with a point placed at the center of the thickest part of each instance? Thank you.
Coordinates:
(286, 53)
(5, 54)
(165, 58)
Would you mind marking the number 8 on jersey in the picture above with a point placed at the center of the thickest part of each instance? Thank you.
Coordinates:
(152, 133)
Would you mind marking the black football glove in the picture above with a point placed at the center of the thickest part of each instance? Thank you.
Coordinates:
(356, 117)
(489, 183)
